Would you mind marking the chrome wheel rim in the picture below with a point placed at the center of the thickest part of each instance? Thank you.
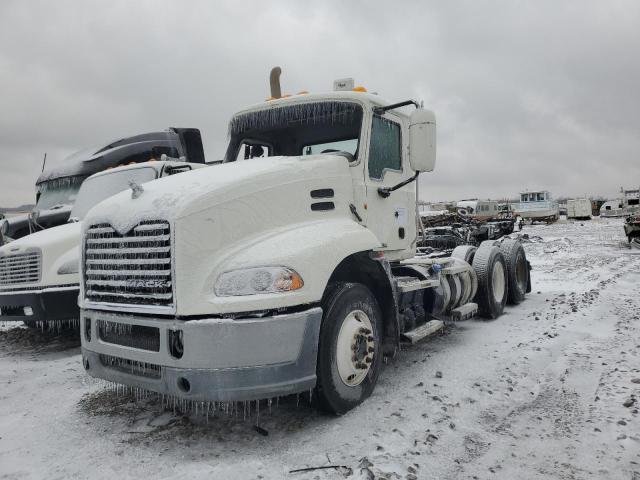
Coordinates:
(355, 348)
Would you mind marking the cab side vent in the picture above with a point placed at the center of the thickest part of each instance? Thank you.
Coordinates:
(322, 193)
(321, 206)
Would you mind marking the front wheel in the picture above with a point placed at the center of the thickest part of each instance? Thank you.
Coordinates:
(349, 352)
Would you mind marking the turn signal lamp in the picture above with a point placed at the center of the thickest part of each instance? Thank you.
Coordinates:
(359, 89)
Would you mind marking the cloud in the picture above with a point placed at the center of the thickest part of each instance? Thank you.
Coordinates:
(527, 94)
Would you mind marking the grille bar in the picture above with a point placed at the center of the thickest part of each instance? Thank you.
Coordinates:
(139, 261)
(120, 296)
(130, 250)
(126, 273)
(20, 268)
(150, 238)
(134, 268)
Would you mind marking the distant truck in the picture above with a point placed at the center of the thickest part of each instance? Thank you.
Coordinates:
(57, 188)
(39, 272)
(478, 209)
(579, 209)
(291, 267)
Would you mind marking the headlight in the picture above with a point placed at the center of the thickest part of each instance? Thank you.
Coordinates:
(69, 267)
(252, 281)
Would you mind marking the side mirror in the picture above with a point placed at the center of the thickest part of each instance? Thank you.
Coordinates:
(422, 140)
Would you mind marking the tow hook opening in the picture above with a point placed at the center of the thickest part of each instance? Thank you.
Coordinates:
(184, 385)
(176, 344)
(85, 363)
(87, 329)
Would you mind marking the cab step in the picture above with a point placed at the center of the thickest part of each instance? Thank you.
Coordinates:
(410, 284)
(464, 312)
(423, 331)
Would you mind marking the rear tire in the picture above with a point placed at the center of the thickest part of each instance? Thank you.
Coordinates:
(464, 252)
(350, 347)
(491, 270)
(517, 270)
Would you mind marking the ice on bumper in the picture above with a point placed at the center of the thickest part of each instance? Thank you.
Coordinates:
(205, 360)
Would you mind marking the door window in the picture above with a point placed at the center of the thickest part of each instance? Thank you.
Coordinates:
(385, 150)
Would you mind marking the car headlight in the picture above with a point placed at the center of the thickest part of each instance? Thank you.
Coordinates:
(69, 267)
(252, 281)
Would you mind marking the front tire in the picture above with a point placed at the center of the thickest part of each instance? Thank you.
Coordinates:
(349, 352)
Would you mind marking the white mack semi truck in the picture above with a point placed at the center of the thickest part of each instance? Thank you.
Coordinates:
(39, 272)
(292, 266)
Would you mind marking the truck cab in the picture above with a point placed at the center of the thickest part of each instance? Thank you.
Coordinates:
(39, 272)
(57, 187)
(293, 267)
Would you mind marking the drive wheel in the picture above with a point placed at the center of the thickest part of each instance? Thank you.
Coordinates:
(517, 270)
(349, 352)
(491, 269)
(464, 252)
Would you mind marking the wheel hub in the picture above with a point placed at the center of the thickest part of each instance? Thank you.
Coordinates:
(355, 348)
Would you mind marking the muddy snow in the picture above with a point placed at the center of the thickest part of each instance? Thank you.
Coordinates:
(549, 390)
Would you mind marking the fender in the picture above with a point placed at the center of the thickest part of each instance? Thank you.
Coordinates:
(313, 249)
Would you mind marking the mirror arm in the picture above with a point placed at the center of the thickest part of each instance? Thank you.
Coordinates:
(384, 192)
(381, 110)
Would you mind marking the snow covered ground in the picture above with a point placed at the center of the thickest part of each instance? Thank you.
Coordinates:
(549, 390)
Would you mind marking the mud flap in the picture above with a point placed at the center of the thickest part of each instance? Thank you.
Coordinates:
(528, 277)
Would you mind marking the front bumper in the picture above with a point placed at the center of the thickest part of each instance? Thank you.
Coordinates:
(221, 359)
(46, 305)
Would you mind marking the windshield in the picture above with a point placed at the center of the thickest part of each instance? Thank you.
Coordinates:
(96, 189)
(303, 129)
(58, 193)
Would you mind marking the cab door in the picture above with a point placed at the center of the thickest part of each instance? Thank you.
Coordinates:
(391, 219)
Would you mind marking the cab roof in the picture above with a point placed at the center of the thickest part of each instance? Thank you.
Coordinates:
(366, 99)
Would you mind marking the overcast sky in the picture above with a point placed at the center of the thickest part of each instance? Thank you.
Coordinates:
(538, 94)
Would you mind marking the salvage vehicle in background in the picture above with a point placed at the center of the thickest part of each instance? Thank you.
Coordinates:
(632, 229)
(291, 267)
(537, 206)
(579, 208)
(39, 272)
(58, 188)
(478, 209)
(446, 231)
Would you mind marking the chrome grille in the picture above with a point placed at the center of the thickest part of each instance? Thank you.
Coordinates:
(134, 268)
(20, 268)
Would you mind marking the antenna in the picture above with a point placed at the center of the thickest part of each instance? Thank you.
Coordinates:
(44, 161)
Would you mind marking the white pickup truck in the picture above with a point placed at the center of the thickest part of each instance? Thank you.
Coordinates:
(290, 267)
(39, 273)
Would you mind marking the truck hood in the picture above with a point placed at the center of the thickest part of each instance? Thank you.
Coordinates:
(66, 234)
(179, 196)
(58, 246)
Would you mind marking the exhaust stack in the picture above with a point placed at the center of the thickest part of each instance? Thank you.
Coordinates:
(274, 82)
